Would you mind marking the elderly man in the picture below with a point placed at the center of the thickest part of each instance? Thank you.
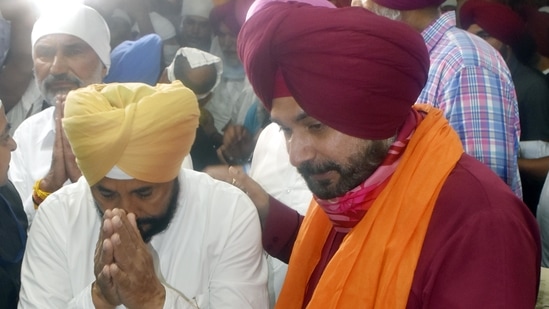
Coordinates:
(137, 230)
(69, 51)
(201, 72)
(389, 226)
(195, 30)
(469, 81)
(234, 92)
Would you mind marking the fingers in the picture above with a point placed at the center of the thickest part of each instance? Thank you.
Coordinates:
(132, 272)
(238, 177)
(133, 221)
(219, 172)
(103, 259)
(104, 249)
(234, 134)
(60, 106)
(107, 289)
(126, 240)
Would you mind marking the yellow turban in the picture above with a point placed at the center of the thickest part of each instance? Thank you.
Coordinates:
(145, 131)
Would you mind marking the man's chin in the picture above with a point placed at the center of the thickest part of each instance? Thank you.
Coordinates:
(322, 189)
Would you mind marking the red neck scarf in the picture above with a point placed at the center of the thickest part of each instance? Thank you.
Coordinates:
(346, 211)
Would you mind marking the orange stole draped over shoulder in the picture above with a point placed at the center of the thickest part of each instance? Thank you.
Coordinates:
(375, 264)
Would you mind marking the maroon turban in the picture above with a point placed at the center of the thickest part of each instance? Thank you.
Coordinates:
(404, 5)
(538, 27)
(226, 14)
(354, 71)
(497, 19)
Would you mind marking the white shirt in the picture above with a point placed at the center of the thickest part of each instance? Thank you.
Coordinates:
(211, 252)
(30, 104)
(271, 168)
(31, 160)
(229, 97)
(542, 215)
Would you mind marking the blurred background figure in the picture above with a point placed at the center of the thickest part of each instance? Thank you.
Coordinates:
(505, 30)
(136, 61)
(201, 72)
(195, 30)
(18, 90)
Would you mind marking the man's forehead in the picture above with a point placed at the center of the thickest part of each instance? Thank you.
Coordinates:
(197, 19)
(60, 38)
(286, 109)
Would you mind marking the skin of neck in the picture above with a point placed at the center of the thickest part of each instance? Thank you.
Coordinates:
(543, 63)
(420, 19)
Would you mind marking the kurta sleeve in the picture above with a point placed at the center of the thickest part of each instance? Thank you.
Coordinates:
(280, 231)
(44, 274)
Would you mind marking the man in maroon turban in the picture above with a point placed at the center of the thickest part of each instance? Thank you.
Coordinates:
(389, 225)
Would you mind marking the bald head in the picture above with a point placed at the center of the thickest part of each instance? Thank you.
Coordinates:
(200, 79)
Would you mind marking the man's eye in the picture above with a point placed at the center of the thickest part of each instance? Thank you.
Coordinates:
(45, 54)
(5, 138)
(107, 194)
(73, 51)
(316, 127)
(287, 132)
(143, 195)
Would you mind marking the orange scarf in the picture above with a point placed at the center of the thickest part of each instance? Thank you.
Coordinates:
(375, 264)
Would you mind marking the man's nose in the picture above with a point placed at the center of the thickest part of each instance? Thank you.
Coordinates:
(300, 150)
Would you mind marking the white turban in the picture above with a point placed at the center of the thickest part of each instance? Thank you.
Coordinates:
(80, 21)
(162, 26)
(197, 58)
(200, 8)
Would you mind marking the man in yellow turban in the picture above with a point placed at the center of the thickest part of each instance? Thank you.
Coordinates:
(138, 230)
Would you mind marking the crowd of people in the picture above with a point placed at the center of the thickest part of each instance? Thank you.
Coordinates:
(274, 154)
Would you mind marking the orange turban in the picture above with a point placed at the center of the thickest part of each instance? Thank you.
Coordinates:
(145, 131)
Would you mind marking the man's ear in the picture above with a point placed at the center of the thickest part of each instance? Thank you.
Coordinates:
(104, 72)
(205, 100)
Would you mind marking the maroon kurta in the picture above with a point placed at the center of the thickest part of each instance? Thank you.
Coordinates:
(481, 250)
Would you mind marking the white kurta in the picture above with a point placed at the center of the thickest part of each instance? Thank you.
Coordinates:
(30, 104)
(271, 168)
(211, 252)
(229, 97)
(31, 160)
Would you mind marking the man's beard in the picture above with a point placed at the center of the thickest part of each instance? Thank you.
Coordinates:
(151, 226)
(361, 165)
(50, 94)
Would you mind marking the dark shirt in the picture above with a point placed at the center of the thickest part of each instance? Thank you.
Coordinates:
(203, 151)
(13, 234)
(533, 101)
